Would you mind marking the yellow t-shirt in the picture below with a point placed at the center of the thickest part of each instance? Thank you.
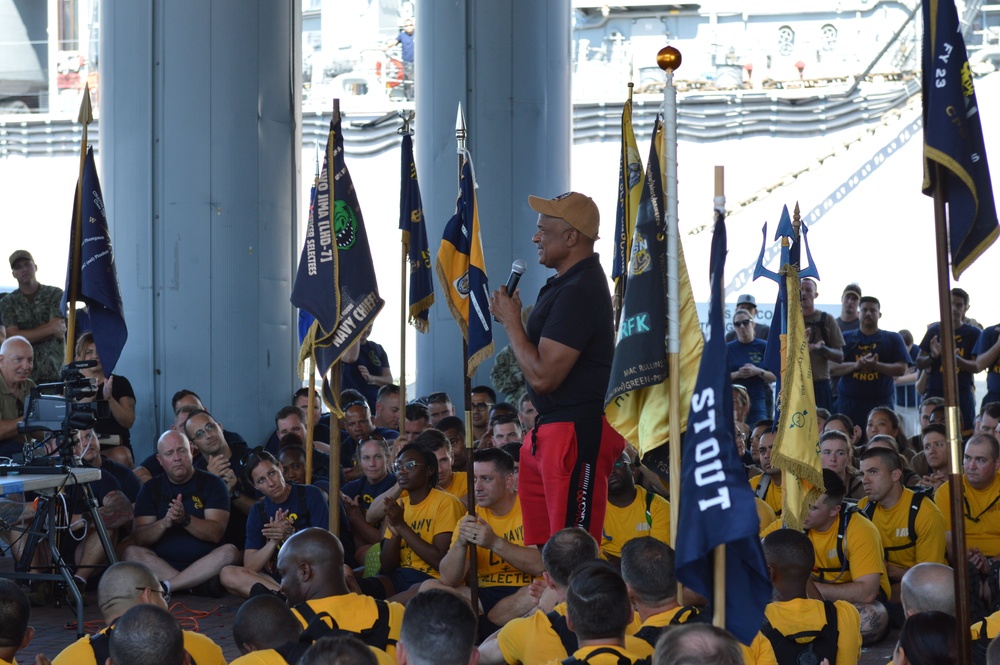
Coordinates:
(355, 613)
(531, 640)
(894, 529)
(982, 515)
(459, 486)
(624, 524)
(201, 648)
(633, 653)
(438, 513)
(992, 627)
(764, 513)
(492, 569)
(862, 547)
(272, 657)
(799, 614)
(773, 495)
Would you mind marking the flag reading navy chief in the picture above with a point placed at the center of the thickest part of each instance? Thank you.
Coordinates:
(953, 137)
(336, 279)
(718, 506)
(97, 283)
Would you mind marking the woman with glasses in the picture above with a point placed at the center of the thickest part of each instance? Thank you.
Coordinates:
(419, 525)
(284, 510)
(117, 391)
(373, 456)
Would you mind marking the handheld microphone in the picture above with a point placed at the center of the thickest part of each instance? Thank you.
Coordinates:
(516, 270)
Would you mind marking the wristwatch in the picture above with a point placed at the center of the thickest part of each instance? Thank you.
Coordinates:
(186, 520)
(235, 494)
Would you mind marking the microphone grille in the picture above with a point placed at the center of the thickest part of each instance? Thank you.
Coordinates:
(519, 266)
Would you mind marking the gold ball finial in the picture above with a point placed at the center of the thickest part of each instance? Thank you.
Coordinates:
(668, 58)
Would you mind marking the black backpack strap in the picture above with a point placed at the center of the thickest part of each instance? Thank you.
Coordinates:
(688, 614)
(378, 635)
(844, 519)
(980, 645)
(622, 659)
(316, 629)
(259, 505)
(101, 644)
(308, 614)
(869, 509)
(915, 501)
(303, 518)
(650, 634)
(566, 636)
(649, 504)
(762, 487)
(787, 649)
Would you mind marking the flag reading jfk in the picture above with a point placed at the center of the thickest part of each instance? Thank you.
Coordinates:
(717, 505)
(97, 283)
(461, 269)
(953, 137)
(637, 396)
(336, 279)
(411, 223)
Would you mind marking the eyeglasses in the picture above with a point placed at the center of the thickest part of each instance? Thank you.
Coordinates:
(482, 406)
(204, 431)
(399, 467)
(740, 324)
(162, 591)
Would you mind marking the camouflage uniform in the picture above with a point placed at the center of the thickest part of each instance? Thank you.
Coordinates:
(27, 313)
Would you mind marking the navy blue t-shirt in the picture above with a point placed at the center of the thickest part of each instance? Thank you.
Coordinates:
(305, 510)
(966, 337)
(128, 481)
(366, 492)
(406, 43)
(907, 395)
(985, 342)
(739, 354)
(100, 489)
(890, 348)
(374, 358)
(202, 492)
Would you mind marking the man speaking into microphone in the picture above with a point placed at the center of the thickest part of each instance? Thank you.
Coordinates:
(565, 355)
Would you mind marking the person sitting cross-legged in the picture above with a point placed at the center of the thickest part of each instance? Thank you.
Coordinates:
(180, 520)
(285, 509)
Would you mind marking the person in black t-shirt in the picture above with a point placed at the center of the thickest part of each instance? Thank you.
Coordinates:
(565, 355)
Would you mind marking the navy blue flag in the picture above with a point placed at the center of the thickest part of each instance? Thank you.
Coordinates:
(96, 285)
(461, 268)
(305, 318)
(411, 223)
(953, 137)
(717, 506)
(336, 281)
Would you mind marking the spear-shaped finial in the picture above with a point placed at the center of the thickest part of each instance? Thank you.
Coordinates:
(460, 129)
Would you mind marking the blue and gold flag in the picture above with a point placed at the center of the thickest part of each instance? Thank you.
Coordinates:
(953, 137)
(637, 397)
(461, 269)
(336, 281)
(717, 505)
(96, 285)
(411, 223)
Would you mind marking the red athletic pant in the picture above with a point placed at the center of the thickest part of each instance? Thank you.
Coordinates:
(563, 479)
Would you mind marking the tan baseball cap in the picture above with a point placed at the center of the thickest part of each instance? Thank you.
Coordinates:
(20, 254)
(578, 210)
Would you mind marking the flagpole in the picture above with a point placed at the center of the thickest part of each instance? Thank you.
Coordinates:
(403, 308)
(949, 378)
(461, 133)
(669, 59)
(719, 560)
(85, 117)
(334, 374)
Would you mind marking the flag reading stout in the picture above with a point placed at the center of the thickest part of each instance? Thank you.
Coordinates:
(636, 402)
(953, 137)
(411, 223)
(336, 281)
(716, 503)
(461, 269)
(97, 283)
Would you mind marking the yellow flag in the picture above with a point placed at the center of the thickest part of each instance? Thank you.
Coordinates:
(796, 443)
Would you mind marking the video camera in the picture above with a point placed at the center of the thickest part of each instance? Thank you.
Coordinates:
(59, 415)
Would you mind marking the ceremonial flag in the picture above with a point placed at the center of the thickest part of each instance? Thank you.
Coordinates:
(636, 402)
(336, 281)
(96, 285)
(461, 269)
(716, 503)
(629, 193)
(411, 223)
(953, 137)
(796, 442)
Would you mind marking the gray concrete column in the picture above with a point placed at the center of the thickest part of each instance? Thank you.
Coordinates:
(508, 62)
(200, 161)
